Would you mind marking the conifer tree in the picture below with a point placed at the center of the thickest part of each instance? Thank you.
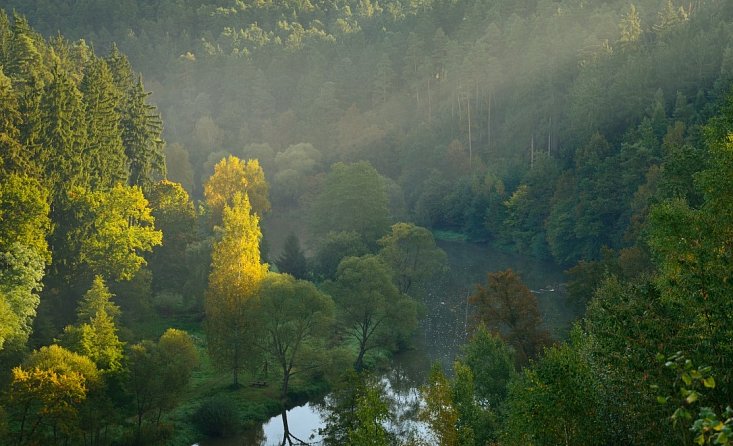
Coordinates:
(108, 163)
(62, 133)
(292, 260)
(141, 136)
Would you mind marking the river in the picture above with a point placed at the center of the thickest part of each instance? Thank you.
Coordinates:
(441, 333)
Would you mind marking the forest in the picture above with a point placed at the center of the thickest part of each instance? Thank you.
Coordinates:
(212, 211)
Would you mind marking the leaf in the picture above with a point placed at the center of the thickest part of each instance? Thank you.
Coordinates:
(686, 378)
(662, 399)
(692, 397)
(709, 382)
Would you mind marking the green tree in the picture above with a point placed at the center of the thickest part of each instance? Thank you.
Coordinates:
(157, 373)
(372, 310)
(555, 401)
(63, 134)
(411, 253)
(103, 148)
(296, 319)
(292, 260)
(95, 335)
(175, 216)
(491, 362)
(141, 136)
(236, 275)
(24, 254)
(333, 248)
(353, 198)
(120, 230)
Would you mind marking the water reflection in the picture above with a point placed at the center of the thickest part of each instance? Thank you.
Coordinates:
(442, 331)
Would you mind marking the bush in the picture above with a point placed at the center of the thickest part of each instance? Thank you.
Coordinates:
(217, 417)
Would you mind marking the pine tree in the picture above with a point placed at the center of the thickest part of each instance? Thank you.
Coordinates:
(236, 274)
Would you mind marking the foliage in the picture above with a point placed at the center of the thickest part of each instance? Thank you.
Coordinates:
(217, 417)
(121, 229)
(370, 308)
(233, 176)
(510, 309)
(236, 274)
(296, 320)
(411, 253)
(491, 362)
(292, 260)
(353, 198)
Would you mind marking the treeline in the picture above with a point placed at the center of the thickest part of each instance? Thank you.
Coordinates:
(489, 117)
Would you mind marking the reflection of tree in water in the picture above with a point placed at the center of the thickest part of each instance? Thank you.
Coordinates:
(288, 437)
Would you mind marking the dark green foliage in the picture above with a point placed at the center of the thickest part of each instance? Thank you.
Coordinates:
(217, 417)
(292, 260)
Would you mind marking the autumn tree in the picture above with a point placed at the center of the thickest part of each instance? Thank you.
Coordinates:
(236, 275)
(509, 308)
(233, 176)
(46, 394)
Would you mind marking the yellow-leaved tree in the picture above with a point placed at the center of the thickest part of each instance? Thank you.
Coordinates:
(236, 274)
(234, 176)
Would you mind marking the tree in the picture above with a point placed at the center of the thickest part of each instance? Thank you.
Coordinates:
(233, 176)
(292, 260)
(12, 156)
(491, 362)
(296, 319)
(102, 120)
(95, 335)
(63, 134)
(47, 393)
(175, 216)
(371, 309)
(353, 198)
(158, 373)
(411, 253)
(555, 401)
(439, 412)
(333, 248)
(141, 135)
(510, 309)
(236, 274)
(630, 26)
(120, 228)
(24, 254)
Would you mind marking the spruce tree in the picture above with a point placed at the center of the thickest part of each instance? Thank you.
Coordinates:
(108, 163)
(292, 260)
